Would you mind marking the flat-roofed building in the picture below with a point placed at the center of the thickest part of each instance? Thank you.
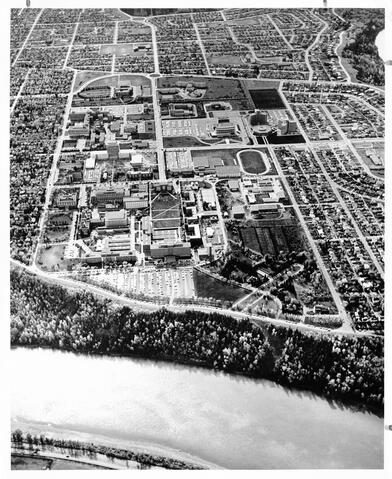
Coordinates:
(228, 171)
(238, 211)
(90, 163)
(135, 203)
(225, 129)
(265, 207)
(207, 196)
(233, 185)
(115, 219)
(67, 200)
(105, 194)
(78, 130)
(177, 250)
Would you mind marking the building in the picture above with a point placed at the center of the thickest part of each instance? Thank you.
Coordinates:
(107, 194)
(224, 129)
(137, 160)
(146, 129)
(90, 163)
(159, 186)
(67, 200)
(78, 130)
(208, 197)
(113, 149)
(135, 203)
(291, 127)
(167, 250)
(140, 144)
(233, 185)
(206, 166)
(116, 219)
(228, 171)
(264, 208)
(118, 248)
(238, 211)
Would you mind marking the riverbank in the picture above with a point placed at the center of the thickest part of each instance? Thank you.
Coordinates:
(354, 405)
(351, 71)
(333, 367)
(122, 454)
(44, 460)
(108, 456)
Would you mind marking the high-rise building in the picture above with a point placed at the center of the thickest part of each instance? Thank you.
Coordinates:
(113, 148)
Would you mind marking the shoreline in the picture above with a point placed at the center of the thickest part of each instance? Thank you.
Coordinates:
(152, 450)
(358, 407)
(21, 452)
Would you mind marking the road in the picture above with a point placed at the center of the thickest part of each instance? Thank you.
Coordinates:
(76, 285)
(19, 92)
(203, 50)
(70, 46)
(53, 171)
(158, 131)
(336, 297)
(279, 31)
(308, 50)
(27, 37)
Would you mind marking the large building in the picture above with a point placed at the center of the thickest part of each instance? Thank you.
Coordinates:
(167, 250)
(113, 149)
(108, 194)
(116, 219)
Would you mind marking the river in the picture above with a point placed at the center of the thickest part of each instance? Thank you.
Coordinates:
(381, 46)
(214, 418)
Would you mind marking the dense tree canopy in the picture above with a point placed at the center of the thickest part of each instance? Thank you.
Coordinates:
(350, 369)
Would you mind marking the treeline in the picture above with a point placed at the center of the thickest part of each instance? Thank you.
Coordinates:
(362, 52)
(150, 12)
(349, 369)
(145, 460)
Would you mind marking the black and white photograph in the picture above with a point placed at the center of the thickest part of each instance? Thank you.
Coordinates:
(194, 237)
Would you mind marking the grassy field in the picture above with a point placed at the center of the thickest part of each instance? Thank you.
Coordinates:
(209, 287)
(184, 142)
(121, 49)
(84, 77)
(252, 161)
(216, 59)
(217, 89)
(52, 258)
(28, 463)
(228, 155)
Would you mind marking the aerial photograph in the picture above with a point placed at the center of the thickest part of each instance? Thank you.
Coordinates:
(196, 202)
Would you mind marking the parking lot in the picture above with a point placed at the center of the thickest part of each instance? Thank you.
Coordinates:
(150, 281)
(200, 127)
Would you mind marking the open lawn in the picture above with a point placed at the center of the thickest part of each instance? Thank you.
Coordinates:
(52, 258)
(208, 287)
(29, 463)
(83, 77)
(217, 89)
(216, 59)
(184, 142)
(121, 50)
(228, 156)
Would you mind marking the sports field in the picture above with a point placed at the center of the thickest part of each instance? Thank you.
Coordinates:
(253, 161)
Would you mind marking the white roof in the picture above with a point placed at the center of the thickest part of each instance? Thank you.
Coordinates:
(90, 162)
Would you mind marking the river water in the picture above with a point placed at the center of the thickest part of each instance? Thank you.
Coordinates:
(228, 421)
(381, 46)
